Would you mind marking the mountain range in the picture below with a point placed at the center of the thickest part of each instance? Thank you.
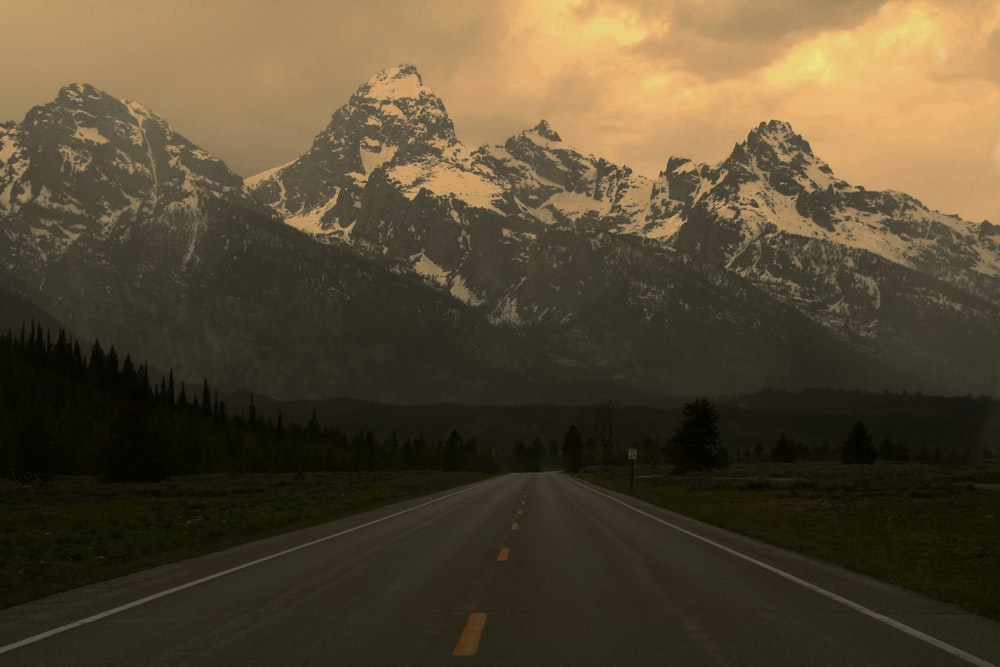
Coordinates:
(392, 262)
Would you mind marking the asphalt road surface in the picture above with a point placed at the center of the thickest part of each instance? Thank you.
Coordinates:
(532, 569)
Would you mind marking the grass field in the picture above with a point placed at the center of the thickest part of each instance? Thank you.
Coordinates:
(933, 529)
(73, 531)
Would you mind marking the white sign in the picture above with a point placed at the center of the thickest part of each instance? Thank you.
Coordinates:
(633, 454)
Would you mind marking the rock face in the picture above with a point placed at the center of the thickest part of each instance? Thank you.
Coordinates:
(124, 230)
(89, 168)
(391, 262)
(879, 270)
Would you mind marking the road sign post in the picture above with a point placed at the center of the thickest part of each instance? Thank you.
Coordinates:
(633, 454)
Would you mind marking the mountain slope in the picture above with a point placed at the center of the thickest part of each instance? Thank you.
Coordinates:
(876, 271)
(912, 286)
(88, 166)
(431, 271)
(152, 242)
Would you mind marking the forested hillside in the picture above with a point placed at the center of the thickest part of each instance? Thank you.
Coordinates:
(69, 410)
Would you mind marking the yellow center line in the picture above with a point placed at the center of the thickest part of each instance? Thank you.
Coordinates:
(504, 554)
(468, 641)
(515, 526)
(520, 512)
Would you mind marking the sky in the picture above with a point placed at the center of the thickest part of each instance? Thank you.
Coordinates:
(901, 95)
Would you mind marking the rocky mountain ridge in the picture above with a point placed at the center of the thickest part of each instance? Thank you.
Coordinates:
(877, 270)
(430, 270)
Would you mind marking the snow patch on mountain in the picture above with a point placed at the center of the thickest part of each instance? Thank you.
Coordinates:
(8, 147)
(400, 82)
(506, 312)
(91, 134)
(252, 181)
(311, 222)
(444, 179)
(460, 290)
(428, 269)
(573, 205)
(374, 154)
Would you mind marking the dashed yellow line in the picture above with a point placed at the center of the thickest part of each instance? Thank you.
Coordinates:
(515, 526)
(504, 554)
(520, 512)
(468, 641)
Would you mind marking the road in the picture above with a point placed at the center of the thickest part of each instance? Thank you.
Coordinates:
(531, 569)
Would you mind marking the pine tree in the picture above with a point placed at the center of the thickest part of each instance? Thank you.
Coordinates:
(695, 443)
(313, 427)
(97, 363)
(858, 447)
(206, 399)
(784, 450)
(572, 450)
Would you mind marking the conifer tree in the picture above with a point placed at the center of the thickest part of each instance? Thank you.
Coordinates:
(784, 450)
(858, 447)
(572, 450)
(695, 443)
(206, 399)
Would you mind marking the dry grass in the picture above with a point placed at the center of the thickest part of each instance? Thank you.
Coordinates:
(933, 529)
(74, 531)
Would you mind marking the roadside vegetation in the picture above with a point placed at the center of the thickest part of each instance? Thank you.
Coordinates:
(930, 527)
(71, 531)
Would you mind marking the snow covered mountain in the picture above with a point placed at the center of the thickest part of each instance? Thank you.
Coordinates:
(88, 167)
(876, 270)
(392, 124)
(123, 230)
(392, 262)
(773, 186)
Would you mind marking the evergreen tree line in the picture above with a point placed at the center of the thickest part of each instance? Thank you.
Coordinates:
(858, 447)
(66, 411)
(696, 445)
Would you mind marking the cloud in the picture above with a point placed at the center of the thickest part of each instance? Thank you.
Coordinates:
(995, 214)
(979, 59)
(899, 94)
(250, 80)
(720, 39)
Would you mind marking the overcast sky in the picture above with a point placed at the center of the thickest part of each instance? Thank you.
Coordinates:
(901, 95)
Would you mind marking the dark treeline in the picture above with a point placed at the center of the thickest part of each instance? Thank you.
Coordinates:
(66, 410)
(816, 421)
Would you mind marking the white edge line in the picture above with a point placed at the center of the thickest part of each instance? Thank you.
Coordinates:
(170, 591)
(902, 627)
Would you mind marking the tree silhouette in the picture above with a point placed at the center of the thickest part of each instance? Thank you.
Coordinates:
(695, 443)
(858, 447)
(572, 450)
(784, 450)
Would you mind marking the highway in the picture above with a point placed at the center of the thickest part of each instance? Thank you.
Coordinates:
(526, 569)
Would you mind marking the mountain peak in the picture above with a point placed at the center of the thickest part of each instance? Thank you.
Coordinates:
(392, 83)
(775, 127)
(77, 93)
(96, 102)
(777, 136)
(545, 130)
